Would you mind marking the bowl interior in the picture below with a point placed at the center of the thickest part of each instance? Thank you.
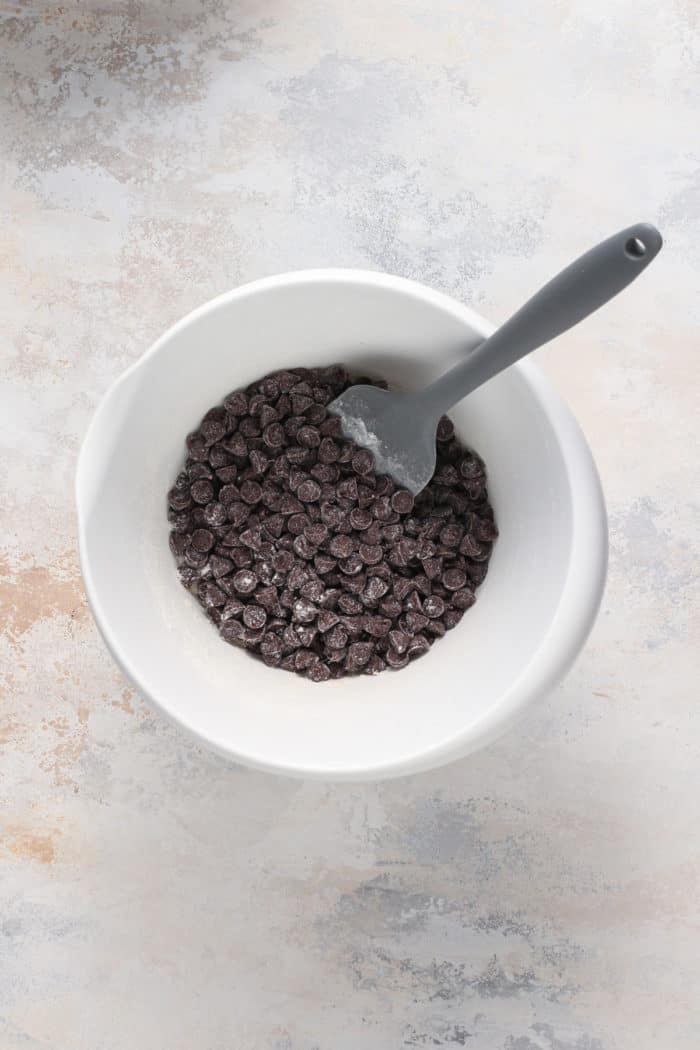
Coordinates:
(448, 699)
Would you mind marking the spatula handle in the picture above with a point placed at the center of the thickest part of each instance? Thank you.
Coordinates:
(579, 290)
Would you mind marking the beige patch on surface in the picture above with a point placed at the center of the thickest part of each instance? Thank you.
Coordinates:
(124, 701)
(71, 739)
(31, 593)
(27, 844)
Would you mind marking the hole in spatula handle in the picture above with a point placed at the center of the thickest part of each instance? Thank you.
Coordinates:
(635, 248)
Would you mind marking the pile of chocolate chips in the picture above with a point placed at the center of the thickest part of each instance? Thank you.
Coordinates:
(298, 552)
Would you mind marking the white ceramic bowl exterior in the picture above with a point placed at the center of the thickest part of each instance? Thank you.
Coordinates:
(532, 614)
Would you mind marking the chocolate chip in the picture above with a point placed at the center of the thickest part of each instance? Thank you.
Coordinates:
(302, 548)
(375, 664)
(445, 429)
(238, 513)
(359, 654)
(242, 557)
(273, 436)
(316, 533)
(198, 449)
(259, 462)
(268, 415)
(188, 575)
(463, 599)
(178, 543)
(271, 649)
(313, 589)
(326, 473)
(245, 581)
(470, 468)
(227, 494)
(402, 587)
(179, 499)
(362, 461)
(251, 492)
(210, 595)
(370, 555)
(282, 561)
(351, 565)
(402, 502)
(309, 491)
(249, 427)
(354, 582)
(486, 530)
(323, 563)
(374, 590)
(308, 437)
(233, 631)
(232, 609)
(236, 403)
(377, 626)
(348, 489)
(418, 645)
(297, 577)
(213, 429)
(328, 450)
(454, 579)
(252, 538)
(341, 546)
(354, 625)
(300, 402)
(349, 605)
(382, 509)
(450, 535)
(298, 455)
(318, 672)
(337, 637)
(195, 559)
(398, 640)
(332, 515)
(360, 519)
(326, 620)
(413, 622)
(390, 607)
(274, 525)
(304, 611)
(433, 606)
(432, 568)
(297, 523)
(215, 514)
(237, 446)
(423, 584)
(290, 505)
(220, 566)
(477, 572)
(254, 617)
(202, 491)
(452, 617)
(227, 475)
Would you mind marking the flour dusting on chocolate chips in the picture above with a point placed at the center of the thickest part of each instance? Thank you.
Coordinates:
(300, 553)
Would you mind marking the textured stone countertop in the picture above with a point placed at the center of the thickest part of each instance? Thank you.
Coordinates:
(541, 895)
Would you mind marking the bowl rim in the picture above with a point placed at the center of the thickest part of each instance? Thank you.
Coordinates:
(581, 592)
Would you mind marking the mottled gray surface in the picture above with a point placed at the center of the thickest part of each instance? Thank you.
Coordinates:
(543, 894)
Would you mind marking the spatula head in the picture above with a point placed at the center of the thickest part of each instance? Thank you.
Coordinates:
(394, 430)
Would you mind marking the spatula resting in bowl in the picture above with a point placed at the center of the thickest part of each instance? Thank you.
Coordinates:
(399, 428)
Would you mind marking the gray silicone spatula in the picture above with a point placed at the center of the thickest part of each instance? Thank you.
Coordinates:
(400, 428)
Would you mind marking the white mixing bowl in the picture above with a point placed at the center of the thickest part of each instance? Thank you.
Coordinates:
(532, 614)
